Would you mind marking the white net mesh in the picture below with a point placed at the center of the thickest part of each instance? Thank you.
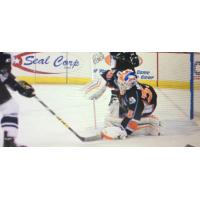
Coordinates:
(174, 85)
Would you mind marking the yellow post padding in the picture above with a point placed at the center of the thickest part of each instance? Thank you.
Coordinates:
(82, 81)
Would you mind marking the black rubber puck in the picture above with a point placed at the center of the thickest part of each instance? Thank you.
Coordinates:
(189, 145)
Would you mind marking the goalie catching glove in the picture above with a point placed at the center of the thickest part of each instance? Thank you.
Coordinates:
(95, 89)
(25, 89)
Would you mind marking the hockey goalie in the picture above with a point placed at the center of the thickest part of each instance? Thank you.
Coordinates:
(131, 112)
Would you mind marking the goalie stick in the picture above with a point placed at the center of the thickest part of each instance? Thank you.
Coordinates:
(83, 139)
(95, 116)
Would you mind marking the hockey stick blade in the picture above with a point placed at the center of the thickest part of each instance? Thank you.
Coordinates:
(86, 139)
(92, 138)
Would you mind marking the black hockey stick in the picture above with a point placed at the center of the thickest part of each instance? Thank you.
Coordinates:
(83, 139)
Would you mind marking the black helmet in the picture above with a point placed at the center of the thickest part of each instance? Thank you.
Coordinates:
(126, 59)
(117, 55)
(5, 60)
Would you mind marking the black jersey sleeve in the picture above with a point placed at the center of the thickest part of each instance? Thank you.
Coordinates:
(22, 87)
(135, 103)
(11, 82)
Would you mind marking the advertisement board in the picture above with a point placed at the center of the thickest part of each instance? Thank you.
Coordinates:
(170, 70)
(52, 67)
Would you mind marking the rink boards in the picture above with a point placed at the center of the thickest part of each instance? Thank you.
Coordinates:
(165, 70)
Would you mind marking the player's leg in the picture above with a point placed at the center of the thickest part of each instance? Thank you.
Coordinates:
(9, 122)
(4, 94)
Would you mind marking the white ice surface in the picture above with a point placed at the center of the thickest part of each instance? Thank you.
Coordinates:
(39, 128)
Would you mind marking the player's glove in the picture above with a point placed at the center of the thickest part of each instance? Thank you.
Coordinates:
(25, 89)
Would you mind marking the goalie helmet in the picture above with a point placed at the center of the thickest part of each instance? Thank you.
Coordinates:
(126, 80)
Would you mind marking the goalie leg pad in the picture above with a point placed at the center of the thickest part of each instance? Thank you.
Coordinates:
(112, 133)
(148, 130)
(137, 127)
(153, 120)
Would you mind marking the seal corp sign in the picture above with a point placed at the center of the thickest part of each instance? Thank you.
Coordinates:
(45, 63)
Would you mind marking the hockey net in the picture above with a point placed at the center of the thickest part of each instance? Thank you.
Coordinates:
(173, 86)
